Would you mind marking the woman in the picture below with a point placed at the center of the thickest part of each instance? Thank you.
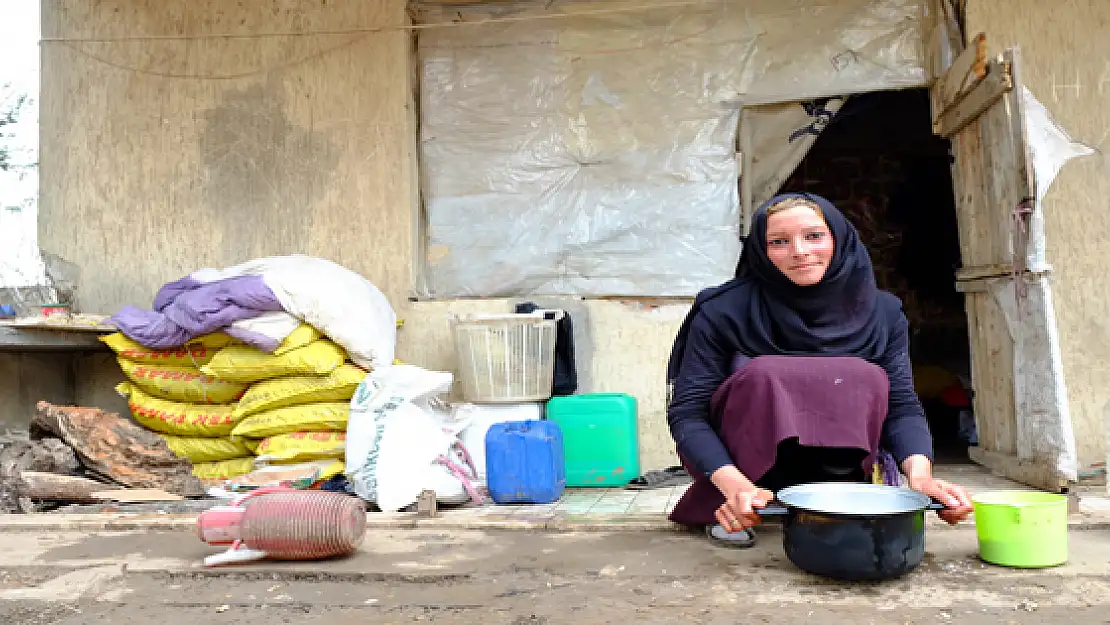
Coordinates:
(795, 371)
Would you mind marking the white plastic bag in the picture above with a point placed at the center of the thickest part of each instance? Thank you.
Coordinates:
(343, 305)
(395, 434)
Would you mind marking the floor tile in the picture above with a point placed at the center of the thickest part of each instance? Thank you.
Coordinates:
(578, 501)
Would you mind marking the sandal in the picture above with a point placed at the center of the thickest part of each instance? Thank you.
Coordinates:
(664, 478)
(736, 540)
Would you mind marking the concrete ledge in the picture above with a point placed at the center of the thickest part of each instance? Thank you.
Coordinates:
(460, 520)
(19, 339)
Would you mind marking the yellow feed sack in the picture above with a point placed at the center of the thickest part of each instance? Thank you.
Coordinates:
(302, 447)
(206, 449)
(301, 336)
(318, 417)
(176, 418)
(242, 363)
(339, 385)
(223, 469)
(332, 470)
(184, 384)
(197, 352)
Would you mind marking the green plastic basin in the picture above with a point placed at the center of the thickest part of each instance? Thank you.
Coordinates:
(1022, 529)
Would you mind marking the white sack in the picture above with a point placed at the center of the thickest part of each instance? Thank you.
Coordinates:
(343, 305)
(395, 435)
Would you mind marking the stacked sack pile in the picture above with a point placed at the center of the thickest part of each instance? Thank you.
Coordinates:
(230, 408)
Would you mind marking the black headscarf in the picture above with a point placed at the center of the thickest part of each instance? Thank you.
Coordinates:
(842, 315)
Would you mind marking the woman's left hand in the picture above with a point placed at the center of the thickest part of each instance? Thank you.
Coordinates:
(952, 495)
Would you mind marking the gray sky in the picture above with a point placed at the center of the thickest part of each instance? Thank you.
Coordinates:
(19, 37)
(19, 45)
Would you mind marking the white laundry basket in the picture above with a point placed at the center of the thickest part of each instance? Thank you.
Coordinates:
(507, 358)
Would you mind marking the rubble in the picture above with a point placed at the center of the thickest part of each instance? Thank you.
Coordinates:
(49, 455)
(74, 455)
(10, 499)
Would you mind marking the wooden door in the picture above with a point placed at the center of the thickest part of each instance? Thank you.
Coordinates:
(1020, 399)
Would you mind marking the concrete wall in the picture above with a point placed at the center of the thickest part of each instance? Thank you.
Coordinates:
(1065, 62)
(162, 156)
(26, 379)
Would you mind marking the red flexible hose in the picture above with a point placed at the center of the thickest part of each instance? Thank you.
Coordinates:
(303, 525)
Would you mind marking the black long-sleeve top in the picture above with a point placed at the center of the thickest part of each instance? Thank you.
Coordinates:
(708, 363)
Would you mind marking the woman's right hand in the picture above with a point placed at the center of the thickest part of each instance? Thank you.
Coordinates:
(738, 512)
(742, 497)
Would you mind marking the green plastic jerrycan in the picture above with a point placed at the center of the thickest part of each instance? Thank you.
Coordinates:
(601, 445)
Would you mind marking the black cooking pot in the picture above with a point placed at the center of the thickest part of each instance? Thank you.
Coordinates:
(852, 532)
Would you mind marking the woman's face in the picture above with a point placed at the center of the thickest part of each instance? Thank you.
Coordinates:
(799, 244)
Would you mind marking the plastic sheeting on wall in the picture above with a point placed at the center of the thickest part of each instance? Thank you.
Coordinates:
(1051, 147)
(1044, 428)
(596, 154)
(1044, 431)
(781, 136)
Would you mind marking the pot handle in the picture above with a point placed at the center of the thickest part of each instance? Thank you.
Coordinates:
(936, 505)
(772, 509)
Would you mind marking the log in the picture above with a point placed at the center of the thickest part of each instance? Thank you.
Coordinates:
(54, 487)
(117, 448)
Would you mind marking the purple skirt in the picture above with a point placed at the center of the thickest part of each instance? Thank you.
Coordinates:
(836, 403)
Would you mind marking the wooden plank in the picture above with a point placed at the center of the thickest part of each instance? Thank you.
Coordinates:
(972, 286)
(980, 272)
(1004, 163)
(1008, 466)
(993, 151)
(73, 323)
(967, 278)
(978, 279)
(43, 340)
(1007, 180)
(966, 71)
(992, 361)
(982, 96)
(135, 495)
(967, 177)
(993, 237)
(1028, 238)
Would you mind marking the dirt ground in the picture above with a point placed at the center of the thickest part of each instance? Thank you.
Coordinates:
(459, 577)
